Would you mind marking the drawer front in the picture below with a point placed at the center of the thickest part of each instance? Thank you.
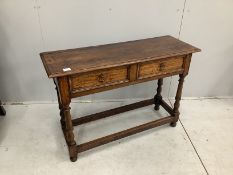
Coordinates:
(97, 79)
(153, 68)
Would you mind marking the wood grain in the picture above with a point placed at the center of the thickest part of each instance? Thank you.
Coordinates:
(97, 79)
(153, 68)
(106, 87)
(112, 55)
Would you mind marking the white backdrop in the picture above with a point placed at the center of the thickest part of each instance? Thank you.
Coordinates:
(28, 27)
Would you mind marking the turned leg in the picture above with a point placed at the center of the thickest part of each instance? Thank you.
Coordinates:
(176, 112)
(62, 120)
(158, 96)
(69, 135)
(65, 108)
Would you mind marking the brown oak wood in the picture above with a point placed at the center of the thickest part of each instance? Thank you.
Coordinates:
(62, 120)
(111, 112)
(100, 78)
(133, 72)
(83, 71)
(112, 55)
(186, 64)
(153, 68)
(122, 134)
(119, 85)
(176, 112)
(158, 96)
(118, 110)
(68, 129)
(166, 106)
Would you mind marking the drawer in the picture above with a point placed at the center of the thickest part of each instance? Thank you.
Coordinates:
(97, 79)
(153, 68)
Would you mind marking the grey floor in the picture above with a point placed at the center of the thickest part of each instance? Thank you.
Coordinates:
(31, 141)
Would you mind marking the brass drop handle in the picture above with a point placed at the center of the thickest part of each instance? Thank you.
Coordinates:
(101, 78)
(161, 66)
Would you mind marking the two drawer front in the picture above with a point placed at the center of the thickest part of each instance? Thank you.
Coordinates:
(98, 79)
(154, 68)
(120, 75)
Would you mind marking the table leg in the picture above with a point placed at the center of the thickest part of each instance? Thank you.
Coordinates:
(158, 96)
(69, 134)
(62, 120)
(65, 107)
(176, 112)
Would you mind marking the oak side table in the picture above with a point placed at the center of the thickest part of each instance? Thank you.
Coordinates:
(83, 71)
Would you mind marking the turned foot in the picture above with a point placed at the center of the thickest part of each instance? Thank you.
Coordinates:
(156, 107)
(173, 124)
(73, 155)
(73, 159)
(73, 152)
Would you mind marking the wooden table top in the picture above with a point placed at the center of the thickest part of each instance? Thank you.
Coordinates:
(72, 61)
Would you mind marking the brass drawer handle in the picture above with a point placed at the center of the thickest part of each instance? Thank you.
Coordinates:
(101, 78)
(161, 66)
